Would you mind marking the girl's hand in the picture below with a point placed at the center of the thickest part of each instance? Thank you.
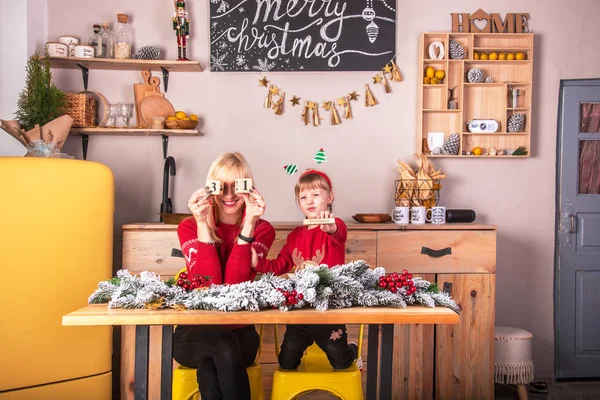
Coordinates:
(255, 205)
(329, 228)
(200, 204)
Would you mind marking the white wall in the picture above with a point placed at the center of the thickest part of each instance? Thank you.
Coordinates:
(23, 28)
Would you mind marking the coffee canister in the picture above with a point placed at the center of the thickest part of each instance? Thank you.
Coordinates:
(83, 51)
(70, 41)
(56, 49)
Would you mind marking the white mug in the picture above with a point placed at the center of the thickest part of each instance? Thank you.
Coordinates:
(438, 215)
(71, 42)
(400, 215)
(83, 51)
(417, 215)
(57, 49)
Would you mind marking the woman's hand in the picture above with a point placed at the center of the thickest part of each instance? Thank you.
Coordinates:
(255, 205)
(200, 204)
(329, 228)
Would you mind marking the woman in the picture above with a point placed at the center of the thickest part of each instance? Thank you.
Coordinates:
(217, 242)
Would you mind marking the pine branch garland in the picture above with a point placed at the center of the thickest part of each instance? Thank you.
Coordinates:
(343, 286)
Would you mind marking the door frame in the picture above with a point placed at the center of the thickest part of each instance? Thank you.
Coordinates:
(564, 83)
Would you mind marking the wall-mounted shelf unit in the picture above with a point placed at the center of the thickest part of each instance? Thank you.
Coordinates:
(477, 100)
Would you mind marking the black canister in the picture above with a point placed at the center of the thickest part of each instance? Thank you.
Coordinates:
(460, 216)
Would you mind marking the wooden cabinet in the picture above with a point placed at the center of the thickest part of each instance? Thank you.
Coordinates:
(448, 362)
(491, 53)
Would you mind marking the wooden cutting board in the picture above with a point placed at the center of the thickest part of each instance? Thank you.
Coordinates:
(150, 87)
(154, 106)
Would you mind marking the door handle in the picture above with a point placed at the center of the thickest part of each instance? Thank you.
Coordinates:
(573, 224)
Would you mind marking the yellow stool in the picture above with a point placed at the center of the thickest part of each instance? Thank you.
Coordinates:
(185, 383)
(315, 373)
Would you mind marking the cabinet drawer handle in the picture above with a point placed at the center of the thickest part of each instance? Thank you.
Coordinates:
(436, 253)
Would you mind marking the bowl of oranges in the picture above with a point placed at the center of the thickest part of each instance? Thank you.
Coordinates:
(433, 76)
(181, 121)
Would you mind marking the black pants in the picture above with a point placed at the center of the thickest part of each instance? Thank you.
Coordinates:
(220, 357)
(332, 339)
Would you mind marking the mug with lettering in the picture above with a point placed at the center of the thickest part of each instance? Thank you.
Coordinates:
(437, 216)
(56, 49)
(83, 51)
(400, 215)
(417, 215)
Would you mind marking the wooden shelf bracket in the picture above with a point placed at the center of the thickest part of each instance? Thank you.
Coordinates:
(165, 145)
(84, 144)
(165, 73)
(85, 72)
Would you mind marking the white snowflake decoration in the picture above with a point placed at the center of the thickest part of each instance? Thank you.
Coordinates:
(214, 24)
(217, 62)
(223, 6)
(223, 45)
(240, 60)
(241, 10)
(264, 65)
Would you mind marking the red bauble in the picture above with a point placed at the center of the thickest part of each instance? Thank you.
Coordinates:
(290, 299)
(382, 284)
(180, 282)
(389, 279)
(381, 278)
(186, 286)
(183, 275)
(411, 283)
(300, 296)
(294, 293)
(393, 289)
(409, 276)
(405, 272)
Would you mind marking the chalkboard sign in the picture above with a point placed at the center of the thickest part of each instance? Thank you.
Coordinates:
(301, 35)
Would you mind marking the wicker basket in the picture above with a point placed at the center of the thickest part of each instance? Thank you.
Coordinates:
(82, 108)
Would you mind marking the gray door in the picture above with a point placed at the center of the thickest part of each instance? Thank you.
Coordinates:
(578, 231)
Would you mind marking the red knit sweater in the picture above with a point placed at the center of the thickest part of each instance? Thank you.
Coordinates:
(308, 242)
(227, 261)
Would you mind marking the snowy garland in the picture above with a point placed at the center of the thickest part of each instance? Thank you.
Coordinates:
(352, 284)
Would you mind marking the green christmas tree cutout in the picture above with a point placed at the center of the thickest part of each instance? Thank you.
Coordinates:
(320, 157)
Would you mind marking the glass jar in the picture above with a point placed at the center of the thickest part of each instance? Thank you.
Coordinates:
(123, 37)
(94, 39)
(105, 43)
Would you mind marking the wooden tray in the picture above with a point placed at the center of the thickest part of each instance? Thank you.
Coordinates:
(371, 218)
(174, 218)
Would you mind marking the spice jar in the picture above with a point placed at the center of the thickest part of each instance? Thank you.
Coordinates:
(94, 39)
(105, 43)
(123, 37)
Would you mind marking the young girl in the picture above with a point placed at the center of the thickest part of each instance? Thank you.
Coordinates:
(216, 242)
(313, 245)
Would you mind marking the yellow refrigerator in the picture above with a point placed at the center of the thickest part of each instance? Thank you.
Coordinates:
(56, 241)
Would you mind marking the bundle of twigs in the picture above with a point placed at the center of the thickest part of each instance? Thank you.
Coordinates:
(418, 187)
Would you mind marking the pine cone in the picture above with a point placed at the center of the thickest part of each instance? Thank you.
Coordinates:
(451, 144)
(147, 53)
(516, 122)
(489, 79)
(475, 75)
(456, 50)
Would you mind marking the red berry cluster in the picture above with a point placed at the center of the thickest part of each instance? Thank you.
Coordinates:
(192, 283)
(394, 281)
(292, 297)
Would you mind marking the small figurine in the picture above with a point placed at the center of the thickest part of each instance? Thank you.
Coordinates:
(181, 24)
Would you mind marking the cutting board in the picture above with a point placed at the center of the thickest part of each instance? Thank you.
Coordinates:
(155, 106)
(150, 87)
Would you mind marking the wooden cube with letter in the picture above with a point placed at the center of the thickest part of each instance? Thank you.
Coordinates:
(461, 258)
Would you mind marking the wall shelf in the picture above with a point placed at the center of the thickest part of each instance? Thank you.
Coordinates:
(477, 100)
(135, 132)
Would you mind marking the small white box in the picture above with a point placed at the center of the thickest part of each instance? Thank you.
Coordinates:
(243, 185)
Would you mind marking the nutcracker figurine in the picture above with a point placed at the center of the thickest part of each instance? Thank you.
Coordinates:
(181, 24)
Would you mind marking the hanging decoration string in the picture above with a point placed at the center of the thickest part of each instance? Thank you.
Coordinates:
(275, 97)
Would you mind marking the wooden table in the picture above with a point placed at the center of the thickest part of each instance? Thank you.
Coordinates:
(100, 314)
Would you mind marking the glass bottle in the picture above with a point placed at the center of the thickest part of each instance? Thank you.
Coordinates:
(105, 42)
(94, 40)
(123, 37)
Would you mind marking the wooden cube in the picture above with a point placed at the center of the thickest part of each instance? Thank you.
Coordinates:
(214, 187)
(243, 185)
(319, 221)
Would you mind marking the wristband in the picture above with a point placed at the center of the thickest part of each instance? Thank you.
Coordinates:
(246, 239)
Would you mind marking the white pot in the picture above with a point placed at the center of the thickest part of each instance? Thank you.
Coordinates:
(56, 49)
(83, 51)
(70, 41)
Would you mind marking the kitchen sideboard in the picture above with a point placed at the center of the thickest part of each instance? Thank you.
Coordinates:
(441, 361)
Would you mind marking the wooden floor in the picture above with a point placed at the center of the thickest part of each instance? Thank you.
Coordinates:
(556, 391)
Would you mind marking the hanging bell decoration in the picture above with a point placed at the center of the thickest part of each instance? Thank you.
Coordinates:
(278, 106)
(372, 31)
(370, 100)
(345, 102)
(396, 76)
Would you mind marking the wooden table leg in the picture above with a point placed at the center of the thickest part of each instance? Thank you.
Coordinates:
(142, 344)
(386, 361)
(372, 361)
(166, 370)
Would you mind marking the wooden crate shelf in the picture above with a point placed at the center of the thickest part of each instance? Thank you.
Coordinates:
(477, 100)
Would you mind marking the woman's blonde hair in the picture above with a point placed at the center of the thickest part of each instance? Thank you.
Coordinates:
(313, 179)
(227, 168)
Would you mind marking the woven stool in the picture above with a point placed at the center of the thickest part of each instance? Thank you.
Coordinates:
(512, 358)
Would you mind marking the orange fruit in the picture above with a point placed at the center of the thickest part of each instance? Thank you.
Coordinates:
(477, 151)
(510, 56)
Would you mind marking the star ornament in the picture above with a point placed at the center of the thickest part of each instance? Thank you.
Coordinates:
(312, 105)
(263, 82)
(327, 105)
(342, 101)
(274, 90)
(377, 79)
(354, 95)
(295, 100)
(388, 68)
